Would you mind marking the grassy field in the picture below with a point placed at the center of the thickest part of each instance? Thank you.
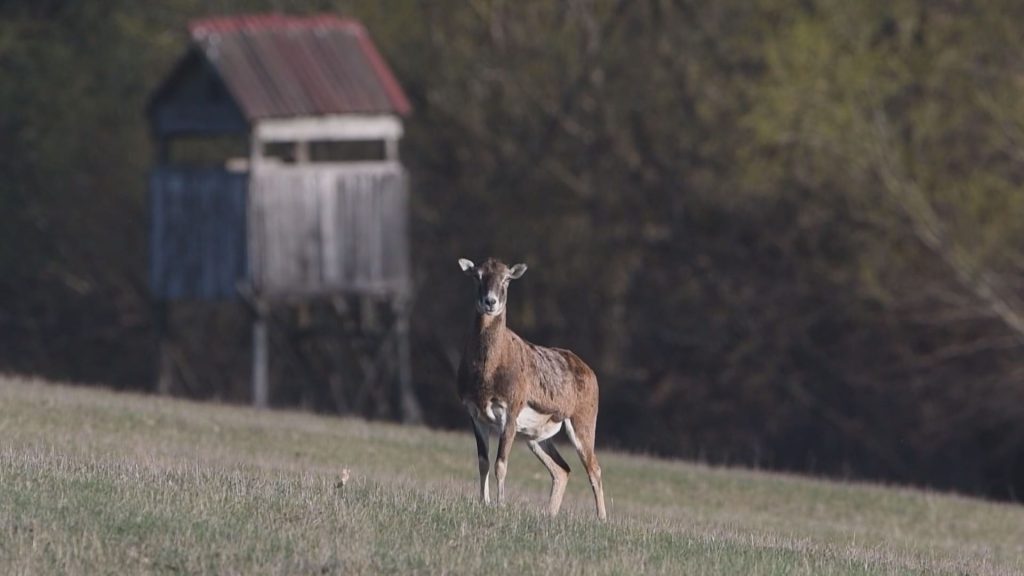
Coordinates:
(94, 482)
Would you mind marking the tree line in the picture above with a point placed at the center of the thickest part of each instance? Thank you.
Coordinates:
(786, 235)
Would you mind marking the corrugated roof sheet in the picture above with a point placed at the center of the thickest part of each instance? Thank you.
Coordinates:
(280, 66)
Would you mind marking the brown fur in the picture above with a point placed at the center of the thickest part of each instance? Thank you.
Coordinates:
(498, 366)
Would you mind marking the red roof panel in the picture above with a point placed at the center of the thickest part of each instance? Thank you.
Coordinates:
(279, 66)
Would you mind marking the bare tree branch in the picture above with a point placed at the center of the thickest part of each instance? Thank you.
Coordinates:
(932, 232)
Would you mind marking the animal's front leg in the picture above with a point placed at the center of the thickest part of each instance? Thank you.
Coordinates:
(482, 454)
(508, 434)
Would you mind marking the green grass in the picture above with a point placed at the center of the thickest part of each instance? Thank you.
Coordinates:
(93, 482)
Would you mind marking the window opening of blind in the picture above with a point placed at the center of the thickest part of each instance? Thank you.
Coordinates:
(347, 151)
(219, 151)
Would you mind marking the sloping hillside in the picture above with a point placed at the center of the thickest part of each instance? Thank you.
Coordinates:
(97, 482)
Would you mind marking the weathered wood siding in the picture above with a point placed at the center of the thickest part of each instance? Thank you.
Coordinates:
(318, 229)
(197, 232)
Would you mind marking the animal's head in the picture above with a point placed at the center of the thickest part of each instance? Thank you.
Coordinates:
(492, 278)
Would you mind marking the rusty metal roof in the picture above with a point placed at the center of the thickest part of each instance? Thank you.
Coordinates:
(279, 66)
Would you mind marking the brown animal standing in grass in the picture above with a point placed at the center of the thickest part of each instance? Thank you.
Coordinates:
(512, 386)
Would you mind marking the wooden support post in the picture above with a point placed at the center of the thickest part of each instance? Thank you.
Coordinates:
(368, 321)
(260, 360)
(260, 352)
(165, 362)
(255, 150)
(303, 315)
(302, 152)
(409, 405)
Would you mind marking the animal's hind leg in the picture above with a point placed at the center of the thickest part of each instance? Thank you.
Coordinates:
(547, 453)
(582, 438)
(482, 449)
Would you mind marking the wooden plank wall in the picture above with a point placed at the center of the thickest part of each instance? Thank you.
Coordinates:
(322, 229)
(197, 233)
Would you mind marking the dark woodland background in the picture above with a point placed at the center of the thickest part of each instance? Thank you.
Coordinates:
(786, 234)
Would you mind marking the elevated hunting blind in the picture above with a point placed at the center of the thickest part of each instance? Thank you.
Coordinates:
(277, 177)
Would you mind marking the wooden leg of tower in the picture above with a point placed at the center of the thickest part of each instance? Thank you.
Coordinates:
(411, 412)
(260, 361)
(165, 362)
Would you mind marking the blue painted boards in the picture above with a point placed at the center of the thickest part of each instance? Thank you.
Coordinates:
(197, 243)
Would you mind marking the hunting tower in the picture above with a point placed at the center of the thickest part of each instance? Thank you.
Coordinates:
(305, 200)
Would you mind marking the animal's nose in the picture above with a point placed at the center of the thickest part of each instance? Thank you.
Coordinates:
(490, 300)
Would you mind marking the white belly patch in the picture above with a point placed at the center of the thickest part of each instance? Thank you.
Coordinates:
(535, 425)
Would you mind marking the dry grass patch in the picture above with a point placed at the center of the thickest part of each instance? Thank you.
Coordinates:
(95, 482)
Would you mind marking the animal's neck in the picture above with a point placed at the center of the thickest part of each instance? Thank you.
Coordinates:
(489, 332)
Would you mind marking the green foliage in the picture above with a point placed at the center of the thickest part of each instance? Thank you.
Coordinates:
(783, 233)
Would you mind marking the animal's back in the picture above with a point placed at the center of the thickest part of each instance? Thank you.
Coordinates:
(561, 380)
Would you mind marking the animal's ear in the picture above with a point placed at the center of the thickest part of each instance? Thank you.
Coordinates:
(466, 265)
(517, 271)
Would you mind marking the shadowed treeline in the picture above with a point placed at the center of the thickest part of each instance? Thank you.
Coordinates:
(784, 234)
